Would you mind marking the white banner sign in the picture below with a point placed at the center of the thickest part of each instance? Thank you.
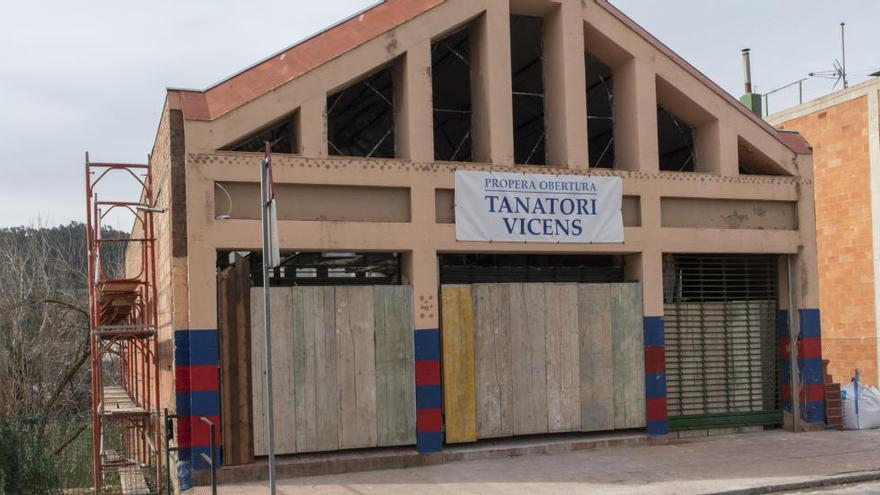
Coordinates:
(505, 207)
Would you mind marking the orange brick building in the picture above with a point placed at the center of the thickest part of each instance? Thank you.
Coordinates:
(844, 129)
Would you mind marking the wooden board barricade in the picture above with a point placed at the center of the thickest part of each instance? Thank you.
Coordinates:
(343, 368)
(542, 357)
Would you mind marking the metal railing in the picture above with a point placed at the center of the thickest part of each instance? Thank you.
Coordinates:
(210, 459)
(799, 84)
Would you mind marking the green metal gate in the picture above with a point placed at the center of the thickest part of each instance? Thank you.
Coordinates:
(721, 347)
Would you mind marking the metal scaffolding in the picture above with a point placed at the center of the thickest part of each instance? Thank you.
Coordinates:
(123, 333)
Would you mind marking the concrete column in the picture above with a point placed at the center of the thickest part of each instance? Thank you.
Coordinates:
(647, 267)
(491, 86)
(729, 151)
(650, 211)
(420, 269)
(707, 146)
(807, 268)
(423, 207)
(807, 330)
(565, 86)
(203, 286)
(635, 98)
(716, 147)
(414, 117)
(312, 126)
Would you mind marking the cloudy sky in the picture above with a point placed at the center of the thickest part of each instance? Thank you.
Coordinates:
(77, 76)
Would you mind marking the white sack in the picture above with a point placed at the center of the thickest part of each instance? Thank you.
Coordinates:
(861, 406)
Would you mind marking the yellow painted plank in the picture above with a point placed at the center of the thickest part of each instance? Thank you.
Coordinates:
(459, 395)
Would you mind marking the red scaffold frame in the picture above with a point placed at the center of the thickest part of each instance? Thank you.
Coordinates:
(123, 326)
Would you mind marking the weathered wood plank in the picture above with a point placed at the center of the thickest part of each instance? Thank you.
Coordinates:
(282, 369)
(281, 307)
(528, 350)
(563, 358)
(597, 366)
(258, 374)
(235, 364)
(493, 361)
(395, 366)
(315, 369)
(629, 355)
(459, 393)
(326, 355)
(304, 368)
(355, 339)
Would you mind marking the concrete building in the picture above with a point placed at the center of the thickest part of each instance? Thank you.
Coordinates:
(389, 330)
(844, 129)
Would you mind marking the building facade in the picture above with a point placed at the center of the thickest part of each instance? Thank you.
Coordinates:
(388, 330)
(844, 129)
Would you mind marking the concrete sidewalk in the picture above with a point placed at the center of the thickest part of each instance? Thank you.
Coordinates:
(743, 463)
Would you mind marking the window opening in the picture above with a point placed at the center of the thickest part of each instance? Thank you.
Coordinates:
(676, 142)
(600, 108)
(360, 118)
(753, 162)
(450, 73)
(518, 268)
(315, 269)
(281, 136)
(527, 67)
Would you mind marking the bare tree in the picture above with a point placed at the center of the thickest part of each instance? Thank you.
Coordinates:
(44, 320)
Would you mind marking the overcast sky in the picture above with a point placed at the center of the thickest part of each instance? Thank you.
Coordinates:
(91, 75)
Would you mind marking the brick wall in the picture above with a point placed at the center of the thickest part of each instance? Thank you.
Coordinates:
(839, 136)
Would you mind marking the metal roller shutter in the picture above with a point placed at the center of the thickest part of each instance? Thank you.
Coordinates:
(721, 345)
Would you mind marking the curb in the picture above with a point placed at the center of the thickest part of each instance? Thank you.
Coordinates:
(828, 481)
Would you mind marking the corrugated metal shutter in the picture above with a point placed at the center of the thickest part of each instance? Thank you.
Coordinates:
(721, 345)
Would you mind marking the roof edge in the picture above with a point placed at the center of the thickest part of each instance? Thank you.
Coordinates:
(299, 58)
(310, 37)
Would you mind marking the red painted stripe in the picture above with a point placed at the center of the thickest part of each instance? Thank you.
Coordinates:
(181, 379)
(814, 392)
(810, 348)
(783, 347)
(428, 372)
(184, 432)
(201, 433)
(655, 359)
(428, 420)
(204, 378)
(656, 409)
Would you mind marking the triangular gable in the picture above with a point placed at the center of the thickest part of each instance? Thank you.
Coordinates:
(299, 59)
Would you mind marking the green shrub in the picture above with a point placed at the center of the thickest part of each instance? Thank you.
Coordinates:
(27, 466)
